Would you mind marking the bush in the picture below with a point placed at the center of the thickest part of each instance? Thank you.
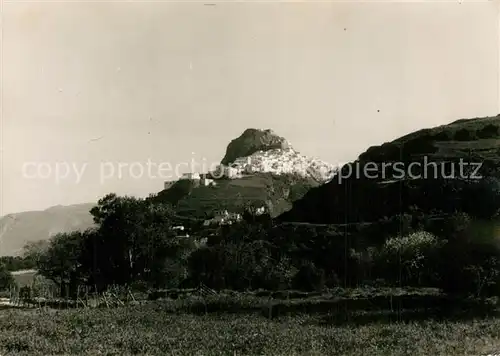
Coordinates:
(6, 279)
(481, 198)
(471, 267)
(309, 278)
(409, 260)
(456, 225)
(278, 277)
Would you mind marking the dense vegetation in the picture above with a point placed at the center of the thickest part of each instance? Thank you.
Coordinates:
(17, 263)
(135, 245)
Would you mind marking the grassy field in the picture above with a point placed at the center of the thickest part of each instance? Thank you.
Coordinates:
(365, 321)
(149, 330)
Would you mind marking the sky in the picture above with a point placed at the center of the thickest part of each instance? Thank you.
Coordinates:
(94, 92)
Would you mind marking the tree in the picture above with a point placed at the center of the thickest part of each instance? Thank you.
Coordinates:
(456, 225)
(409, 260)
(470, 267)
(134, 242)
(33, 251)
(309, 278)
(61, 262)
(6, 279)
(481, 198)
(206, 265)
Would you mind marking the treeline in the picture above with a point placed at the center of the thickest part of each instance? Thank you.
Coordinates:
(26, 261)
(17, 263)
(455, 253)
(136, 245)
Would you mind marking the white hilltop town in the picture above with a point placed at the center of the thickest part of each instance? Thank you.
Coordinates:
(276, 161)
(263, 152)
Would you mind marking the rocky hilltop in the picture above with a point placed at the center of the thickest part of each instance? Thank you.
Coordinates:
(263, 170)
(263, 151)
(251, 141)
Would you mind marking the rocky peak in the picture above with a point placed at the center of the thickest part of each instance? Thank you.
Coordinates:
(251, 141)
(266, 152)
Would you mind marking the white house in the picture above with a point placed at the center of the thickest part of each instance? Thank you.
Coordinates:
(232, 172)
(260, 210)
(190, 176)
(206, 181)
(223, 217)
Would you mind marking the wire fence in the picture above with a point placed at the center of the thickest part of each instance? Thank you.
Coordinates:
(51, 296)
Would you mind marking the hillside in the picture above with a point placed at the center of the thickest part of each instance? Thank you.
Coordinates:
(344, 200)
(259, 189)
(20, 228)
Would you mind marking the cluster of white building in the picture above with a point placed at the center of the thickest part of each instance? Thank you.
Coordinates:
(279, 161)
(201, 178)
(223, 217)
(276, 161)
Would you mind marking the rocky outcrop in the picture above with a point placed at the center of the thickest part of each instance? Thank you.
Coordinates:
(251, 141)
(263, 151)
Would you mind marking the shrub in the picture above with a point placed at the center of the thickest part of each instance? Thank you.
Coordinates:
(309, 278)
(410, 259)
(456, 225)
(481, 198)
(6, 279)
(470, 267)
(280, 276)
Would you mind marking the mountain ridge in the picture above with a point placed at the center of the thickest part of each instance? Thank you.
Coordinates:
(345, 200)
(17, 229)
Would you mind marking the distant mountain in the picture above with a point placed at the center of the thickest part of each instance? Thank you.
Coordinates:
(259, 168)
(19, 228)
(385, 191)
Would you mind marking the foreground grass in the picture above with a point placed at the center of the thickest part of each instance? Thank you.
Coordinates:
(150, 330)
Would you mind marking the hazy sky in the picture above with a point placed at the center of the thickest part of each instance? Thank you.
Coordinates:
(124, 82)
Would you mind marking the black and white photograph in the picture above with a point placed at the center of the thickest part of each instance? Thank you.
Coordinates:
(259, 177)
